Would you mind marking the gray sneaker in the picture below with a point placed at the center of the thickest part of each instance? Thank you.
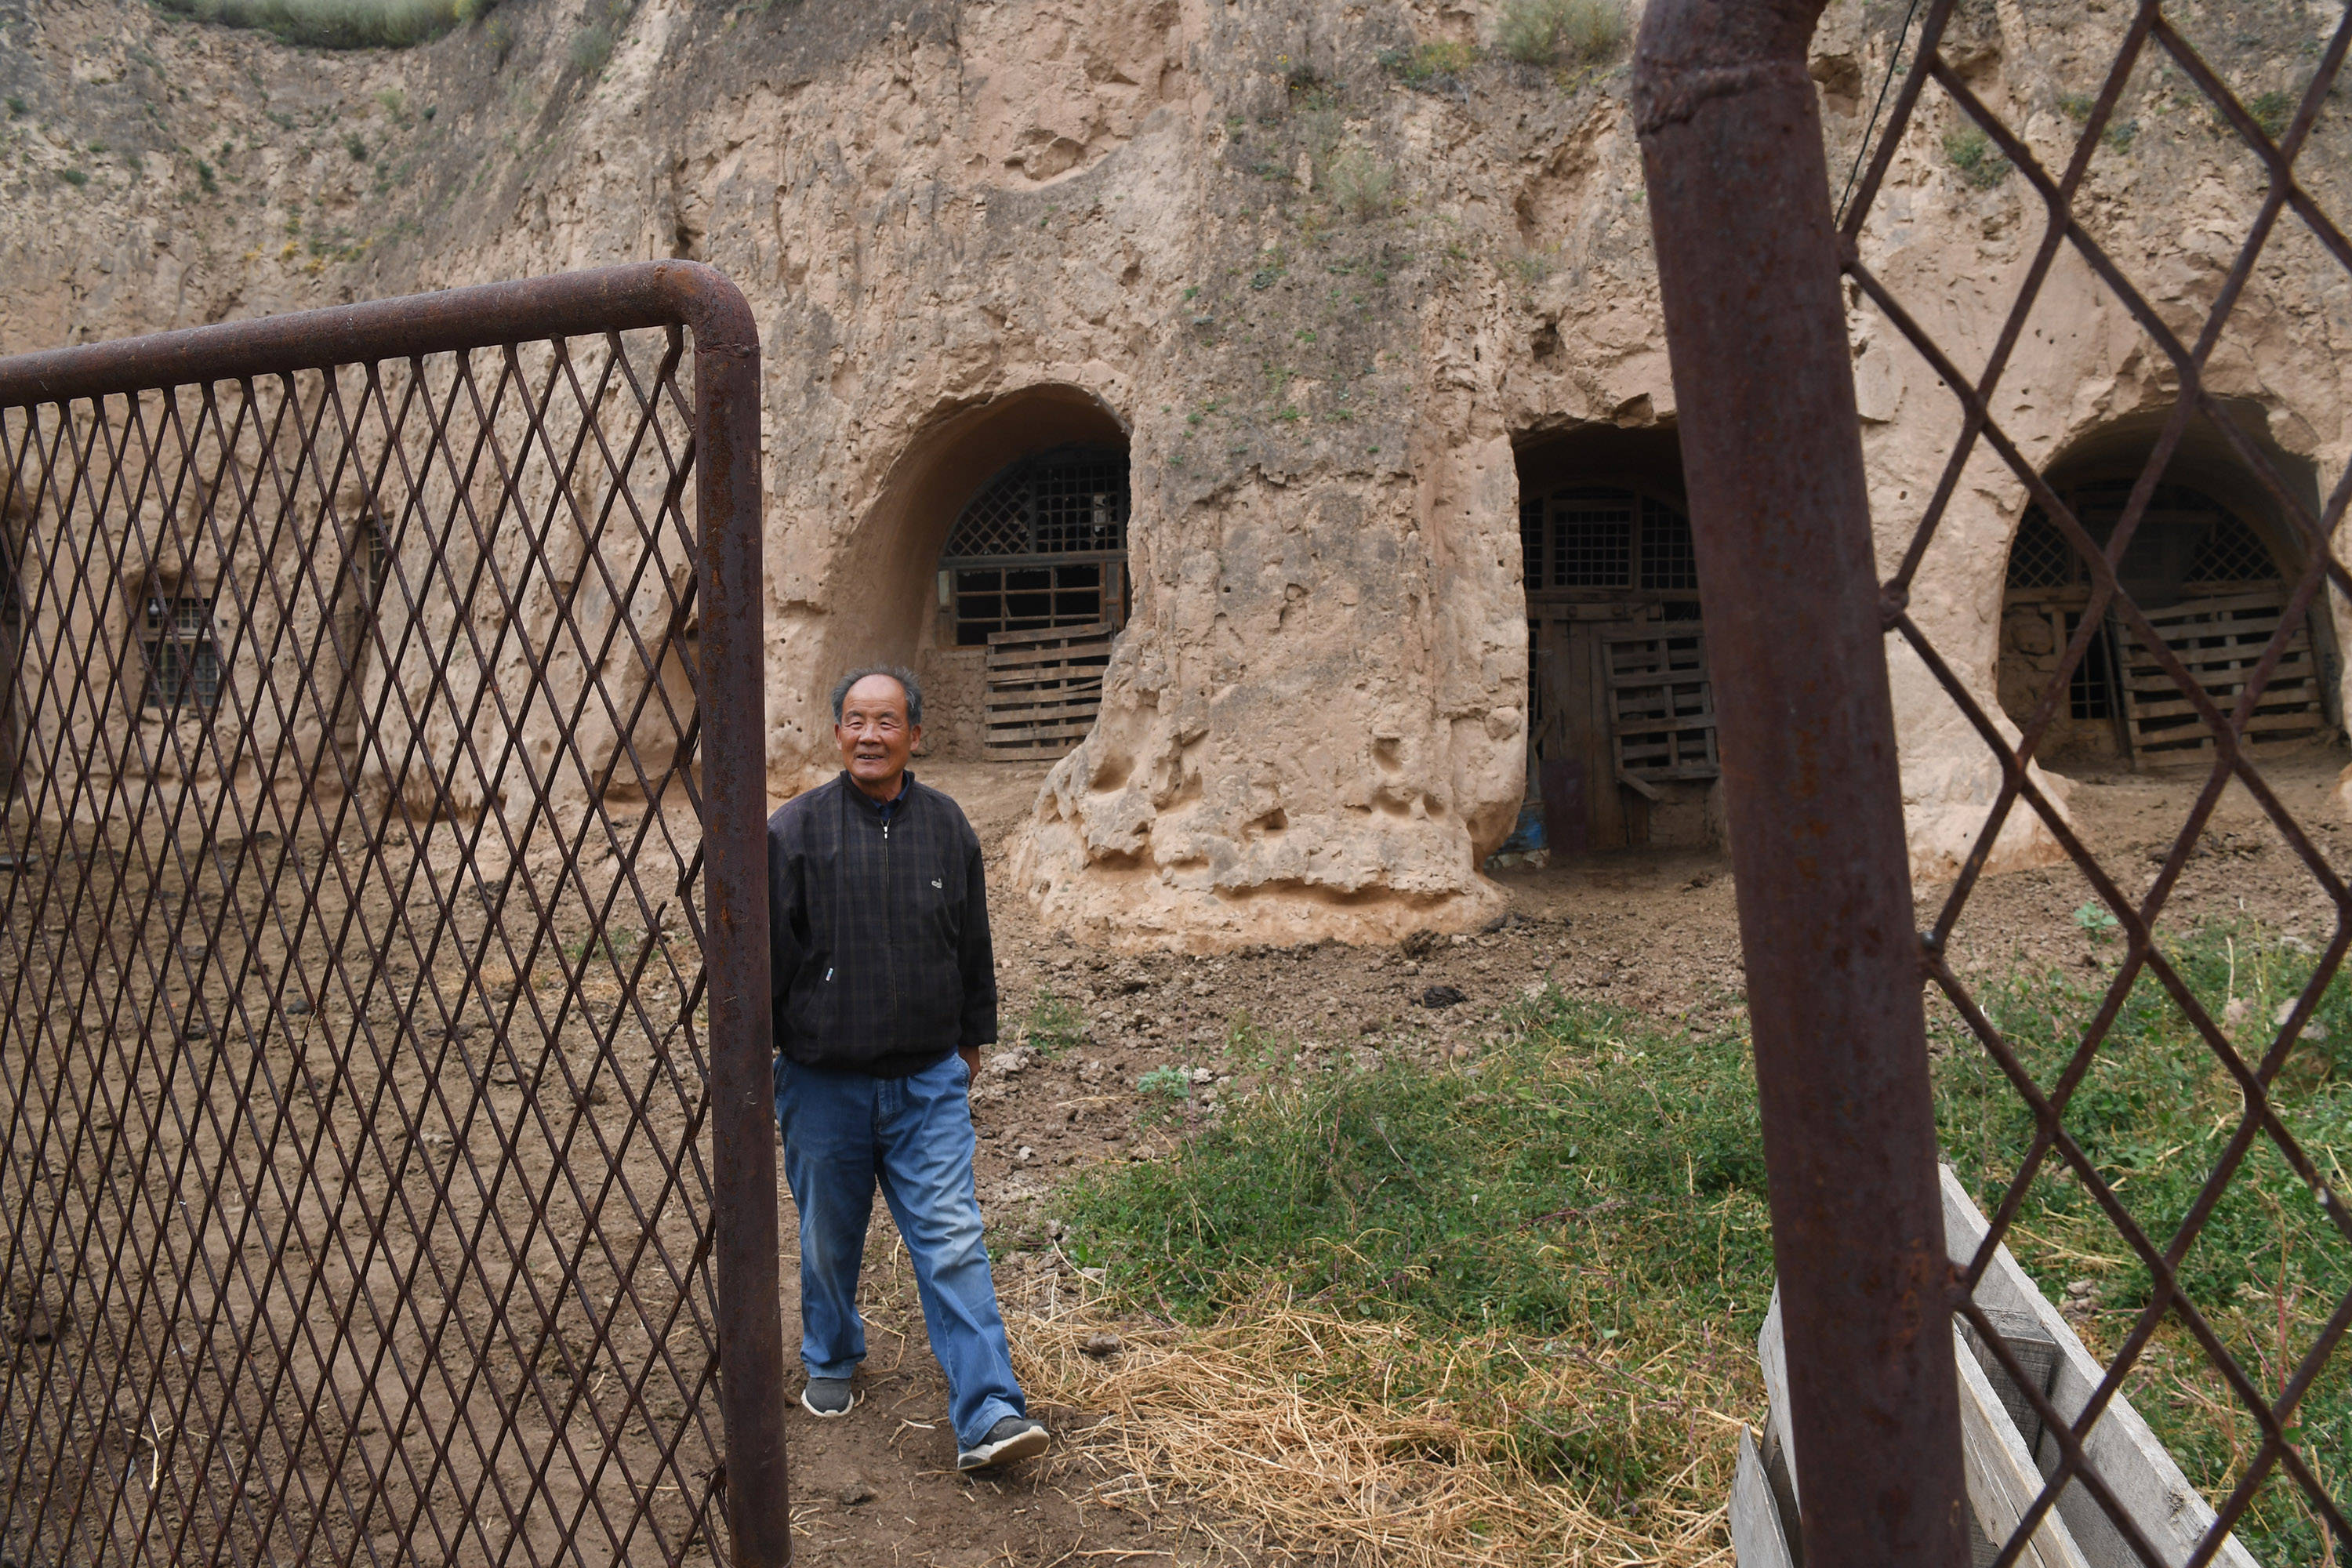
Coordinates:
(826, 1398)
(1014, 1437)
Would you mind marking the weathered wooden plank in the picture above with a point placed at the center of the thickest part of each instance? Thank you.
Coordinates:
(2267, 715)
(1655, 631)
(1636, 725)
(2269, 599)
(2002, 1479)
(2172, 1514)
(1046, 684)
(1772, 1355)
(1095, 653)
(1756, 1537)
(1076, 731)
(1091, 630)
(2292, 681)
(1086, 708)
(2198, 661)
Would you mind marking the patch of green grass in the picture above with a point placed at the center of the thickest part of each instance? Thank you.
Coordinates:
(1972, 152)
(2077, 106)
(205, 178)
(1055, 1027)
(356, 145)
(1430, 68)
(2154, 1115)
(330, 23)
(74, 177)
(1557, 32)
(16, 108)
(1589, 1187)
(2274, 110)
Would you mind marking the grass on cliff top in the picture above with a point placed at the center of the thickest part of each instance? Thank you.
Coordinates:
(334, 24)
(1506, 1313)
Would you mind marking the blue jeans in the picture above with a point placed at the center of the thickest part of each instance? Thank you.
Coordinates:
(844, 1131)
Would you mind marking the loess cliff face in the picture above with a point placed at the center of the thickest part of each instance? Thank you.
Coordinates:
(1327, 272)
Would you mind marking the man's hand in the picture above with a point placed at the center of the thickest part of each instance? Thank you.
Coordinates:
(971, 1054)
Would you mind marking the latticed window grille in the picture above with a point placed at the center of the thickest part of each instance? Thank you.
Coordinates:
(183, 659)
(1040, 545)
(2233, 552)
(1667, 560)
(1592, 539)
(2040, 557)
(1606, 536)
(2229, 551)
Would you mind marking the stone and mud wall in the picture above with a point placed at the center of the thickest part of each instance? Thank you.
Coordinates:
(1323, 267)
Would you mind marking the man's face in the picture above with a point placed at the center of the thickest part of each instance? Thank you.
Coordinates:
(875, 737)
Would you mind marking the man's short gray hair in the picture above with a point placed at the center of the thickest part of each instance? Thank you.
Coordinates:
(904, 676)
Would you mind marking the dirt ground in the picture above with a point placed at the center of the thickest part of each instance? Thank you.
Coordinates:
(457, 1102)
(1653, 932)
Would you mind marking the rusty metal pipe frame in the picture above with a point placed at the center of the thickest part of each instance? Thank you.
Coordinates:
(1747, 269)
(733, 718)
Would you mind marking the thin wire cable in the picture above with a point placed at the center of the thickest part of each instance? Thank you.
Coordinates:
(1877, 109)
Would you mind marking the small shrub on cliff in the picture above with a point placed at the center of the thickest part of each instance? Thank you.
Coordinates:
(591, 47)
(330, 23)
(1430, 68)
(1551, 32)
(1971, 152)
(74, 177)
(1361, 185)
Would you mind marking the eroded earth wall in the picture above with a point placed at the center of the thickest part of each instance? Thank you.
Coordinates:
(1321, 265)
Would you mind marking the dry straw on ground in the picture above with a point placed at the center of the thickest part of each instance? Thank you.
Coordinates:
(1241, 1419)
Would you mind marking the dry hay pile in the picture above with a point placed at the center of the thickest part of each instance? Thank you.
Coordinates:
(1242, 1418)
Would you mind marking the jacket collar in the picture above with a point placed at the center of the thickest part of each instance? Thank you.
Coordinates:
(873, 807)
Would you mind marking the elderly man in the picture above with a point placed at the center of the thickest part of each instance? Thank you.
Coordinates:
(884, 991)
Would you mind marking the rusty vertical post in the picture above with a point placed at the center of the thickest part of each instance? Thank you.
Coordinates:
(734, 712)
(1748, 268)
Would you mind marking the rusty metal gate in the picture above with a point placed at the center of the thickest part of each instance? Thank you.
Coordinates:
(386, 1172)
(1753, 262)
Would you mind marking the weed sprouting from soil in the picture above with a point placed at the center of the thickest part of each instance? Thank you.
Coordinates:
(1055, 1027)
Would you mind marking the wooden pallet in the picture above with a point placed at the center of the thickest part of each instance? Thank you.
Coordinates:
(1661, 704)
(1044, 690)
(2005, 1464)
(2219, 641)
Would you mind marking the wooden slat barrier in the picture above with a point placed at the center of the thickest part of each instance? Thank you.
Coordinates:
(1044, 688)
(1661, 703)
(2219, 641)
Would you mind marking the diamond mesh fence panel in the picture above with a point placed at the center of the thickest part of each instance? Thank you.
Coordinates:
(354, 1160)
(2159, 1136)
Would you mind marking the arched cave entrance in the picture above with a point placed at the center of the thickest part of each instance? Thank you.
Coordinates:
(2211, 565)
(1011, 556)
(1621, 730)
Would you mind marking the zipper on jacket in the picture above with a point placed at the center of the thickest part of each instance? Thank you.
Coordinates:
(889, 913)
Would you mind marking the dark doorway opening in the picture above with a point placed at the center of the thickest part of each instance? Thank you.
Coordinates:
(2212, 568)
(1621, 741)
